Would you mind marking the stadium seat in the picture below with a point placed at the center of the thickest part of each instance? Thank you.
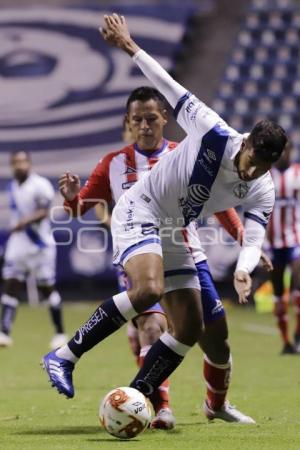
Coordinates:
(262, 75)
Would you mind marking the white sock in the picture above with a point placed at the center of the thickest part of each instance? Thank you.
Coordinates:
(65, 353)
(124, 305)
(173, 344)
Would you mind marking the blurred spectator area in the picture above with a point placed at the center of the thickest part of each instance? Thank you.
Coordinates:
(262, 77)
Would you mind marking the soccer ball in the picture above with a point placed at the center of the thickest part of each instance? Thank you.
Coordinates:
(125, 412)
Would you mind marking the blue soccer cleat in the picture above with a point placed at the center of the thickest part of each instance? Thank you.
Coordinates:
(60, 373)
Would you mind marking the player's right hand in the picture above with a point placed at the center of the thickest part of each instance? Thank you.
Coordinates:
(242, 284)
(69, 185)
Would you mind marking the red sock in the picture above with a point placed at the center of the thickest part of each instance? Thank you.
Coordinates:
(133, 339)
(217, 377)
(281, 312)
(296, 297)
(160, 397)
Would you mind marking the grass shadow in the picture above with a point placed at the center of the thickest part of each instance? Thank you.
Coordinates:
(62, 431)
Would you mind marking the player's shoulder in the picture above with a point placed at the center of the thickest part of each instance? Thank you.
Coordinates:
(264, 185)
(40, 181)
(109, 157)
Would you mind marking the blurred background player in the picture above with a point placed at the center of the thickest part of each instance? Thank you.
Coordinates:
(118, 171)
(284, 237)
(30, 248)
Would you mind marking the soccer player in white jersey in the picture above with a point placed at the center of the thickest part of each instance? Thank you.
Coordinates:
(284, 238)
(214, 168)
(30, 247)
(115, 174)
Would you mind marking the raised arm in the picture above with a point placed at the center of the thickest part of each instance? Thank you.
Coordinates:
(190, 112)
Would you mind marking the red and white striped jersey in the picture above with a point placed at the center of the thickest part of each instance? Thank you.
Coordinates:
(284, 225)
(116, 173)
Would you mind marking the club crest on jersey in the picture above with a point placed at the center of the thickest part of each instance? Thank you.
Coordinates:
(241, 189)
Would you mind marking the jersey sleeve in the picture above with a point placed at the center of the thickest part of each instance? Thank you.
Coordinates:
(256, 220)
(261, 206)
(96, 189)
(190, 112)
(44, 195)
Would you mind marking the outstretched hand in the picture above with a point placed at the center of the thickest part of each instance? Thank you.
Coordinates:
(116, 32)
(242, 284)
(69, 185)
(266, 262)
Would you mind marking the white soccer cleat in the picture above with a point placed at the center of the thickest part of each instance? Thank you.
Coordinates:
(58, 340)
(5, 340)
(228, 413)
(164, 420)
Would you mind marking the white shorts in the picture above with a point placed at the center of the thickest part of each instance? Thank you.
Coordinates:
(22, 258)
(136, 231)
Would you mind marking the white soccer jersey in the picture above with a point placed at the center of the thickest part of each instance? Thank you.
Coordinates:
(200, 178)
(284, 226)
(24, 199)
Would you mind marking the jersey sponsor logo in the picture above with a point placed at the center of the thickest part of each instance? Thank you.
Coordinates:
(210, 155)
(149, 228)
(267, 214)
(206, 167)
(197, 194)
(241, 189)
(99, 315)
(218, 308)
(128, 184)
(145, 198)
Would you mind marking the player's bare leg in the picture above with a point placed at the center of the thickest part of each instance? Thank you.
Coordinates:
(296, 299)
(150, 327)
(133, 340)
(9, 305)
(147, 279)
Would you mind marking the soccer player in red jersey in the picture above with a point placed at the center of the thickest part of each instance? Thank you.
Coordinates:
(284, 237)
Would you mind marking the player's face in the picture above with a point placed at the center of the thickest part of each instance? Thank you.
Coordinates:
(20, 165)
(249, 166)
(146, 122)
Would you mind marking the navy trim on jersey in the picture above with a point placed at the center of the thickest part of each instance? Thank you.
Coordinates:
(257, 219)
(154, 153)
(34, 237)
(172, 273)
(205, 171)
(180, 103)
(133, 247)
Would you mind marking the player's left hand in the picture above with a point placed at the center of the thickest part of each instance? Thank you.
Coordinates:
(266, 262)
(242, 284)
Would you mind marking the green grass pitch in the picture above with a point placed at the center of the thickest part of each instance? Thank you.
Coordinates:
(264, 385)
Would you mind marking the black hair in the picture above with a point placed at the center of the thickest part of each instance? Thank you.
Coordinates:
(268, 140)
(145, 93)
(16, 152)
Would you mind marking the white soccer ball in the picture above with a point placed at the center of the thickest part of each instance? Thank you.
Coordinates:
(125, 412)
